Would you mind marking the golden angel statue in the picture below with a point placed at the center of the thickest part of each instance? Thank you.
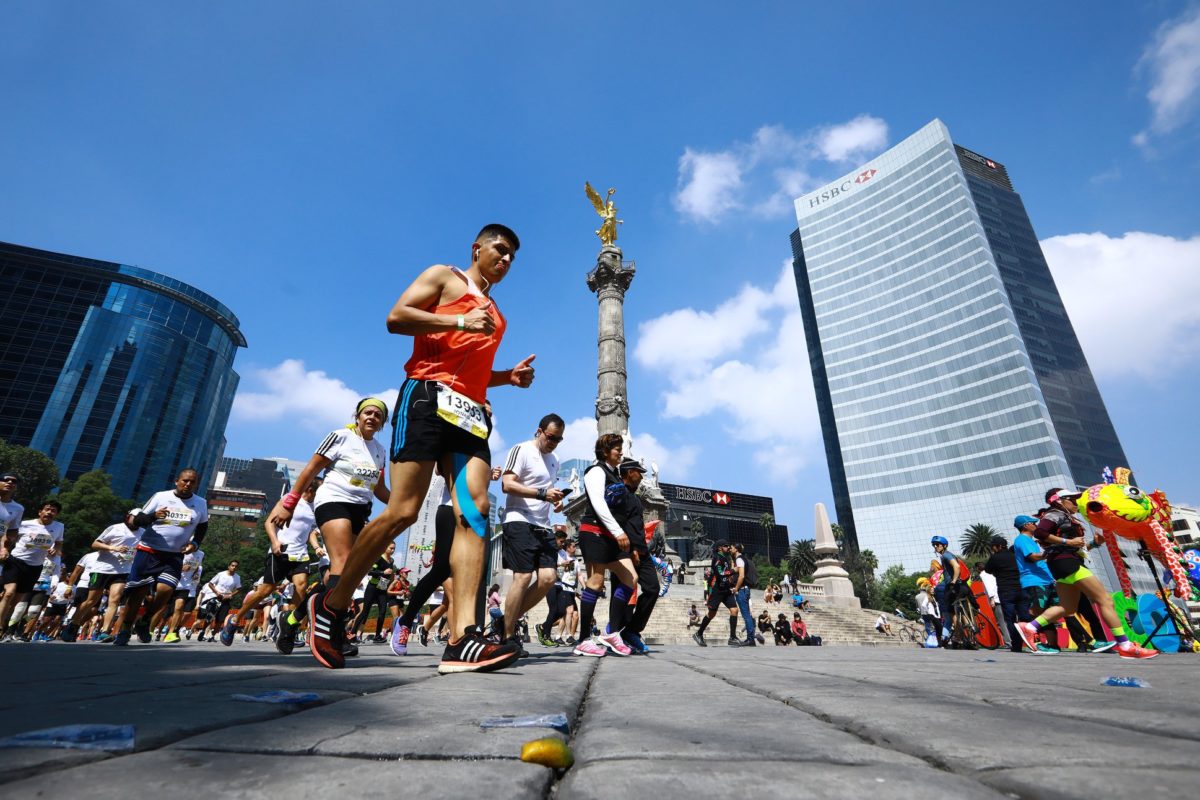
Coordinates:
(607, 211)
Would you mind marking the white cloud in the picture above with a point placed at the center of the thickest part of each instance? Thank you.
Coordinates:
(746, 364)
(307, 398)
(854, 140)
(1131, 299)
(579, 441)
(763, 175)
(1173, 60)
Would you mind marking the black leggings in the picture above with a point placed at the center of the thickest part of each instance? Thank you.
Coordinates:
(443, 527)
(648, 586)
(374, 596)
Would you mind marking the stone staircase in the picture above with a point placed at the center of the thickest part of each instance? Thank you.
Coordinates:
(836, 625)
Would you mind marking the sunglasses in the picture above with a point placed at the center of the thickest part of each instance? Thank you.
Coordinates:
(555, 439)
(10, 479)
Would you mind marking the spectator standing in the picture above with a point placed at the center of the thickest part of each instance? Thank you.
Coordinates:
(1003, 565)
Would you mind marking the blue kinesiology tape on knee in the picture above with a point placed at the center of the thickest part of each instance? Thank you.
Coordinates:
(623, 593)
(589, 596)
(466, 503)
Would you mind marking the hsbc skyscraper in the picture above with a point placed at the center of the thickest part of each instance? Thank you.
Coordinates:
(725, 515)
(951, 386)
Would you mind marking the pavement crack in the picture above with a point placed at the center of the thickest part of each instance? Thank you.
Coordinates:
(580, 710)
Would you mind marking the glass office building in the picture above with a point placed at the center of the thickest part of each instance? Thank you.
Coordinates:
(945, 368)
(113, 367)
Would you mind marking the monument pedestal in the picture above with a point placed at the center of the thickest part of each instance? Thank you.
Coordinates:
(830, 574)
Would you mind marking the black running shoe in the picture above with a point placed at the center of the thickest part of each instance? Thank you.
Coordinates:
(286, 641)
(515, 641)
(349, 649)
(473, 653)
(327, 634)
(70, 632)
(141, 629)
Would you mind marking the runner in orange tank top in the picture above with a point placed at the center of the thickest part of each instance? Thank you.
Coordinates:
(439, 419)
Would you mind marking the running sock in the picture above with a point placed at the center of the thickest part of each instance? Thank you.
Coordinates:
(332, 582)
(703, 624)
(292, 618)
(733, 627)
(620, 618)
(1119, 634)
(1040, 622)
(587, 610)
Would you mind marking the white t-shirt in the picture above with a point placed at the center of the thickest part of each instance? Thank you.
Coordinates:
(61, 594)
(569, 571)
(87, 565)
(172, 533)
(293, 538)
(34, 540)
(111, 563)
(989, 583)
(437, 597)
(226, 584)
(189, 574)
(361, 591)
(534, 469)
(357, 467)
(51, 567)
(10, 516)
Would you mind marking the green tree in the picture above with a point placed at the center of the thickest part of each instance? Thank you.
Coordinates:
(767, 572)
(39, 474)
(89, 505)
(802, 560)
(839, 535)
(767, 523)
(861, 565)
(897, 590)
(976, 542)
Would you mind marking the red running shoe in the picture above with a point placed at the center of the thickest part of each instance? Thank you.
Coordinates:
(327, 638)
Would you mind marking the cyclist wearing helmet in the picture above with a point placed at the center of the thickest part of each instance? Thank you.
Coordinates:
(954, 581)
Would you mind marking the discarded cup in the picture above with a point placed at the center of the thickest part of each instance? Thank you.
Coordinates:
(76, 737)
(1130, 681)
(556, 721)
(279, 696)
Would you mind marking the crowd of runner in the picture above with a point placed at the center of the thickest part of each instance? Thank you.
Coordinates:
(329, 564)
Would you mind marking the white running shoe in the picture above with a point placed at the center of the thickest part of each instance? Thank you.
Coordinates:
(589, 647)
(615, 643)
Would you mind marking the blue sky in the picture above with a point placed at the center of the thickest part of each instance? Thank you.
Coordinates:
(302, 162)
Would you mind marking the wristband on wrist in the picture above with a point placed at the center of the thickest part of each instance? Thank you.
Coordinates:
(290, 500)
(461, 322)
(541, 494)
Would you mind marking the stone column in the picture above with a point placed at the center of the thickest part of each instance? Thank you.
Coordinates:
(830, 573)
(610, 280)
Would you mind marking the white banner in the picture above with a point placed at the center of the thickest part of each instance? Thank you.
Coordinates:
(418, 544)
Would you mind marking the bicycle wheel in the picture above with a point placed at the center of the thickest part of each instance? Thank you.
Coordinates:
(987, 634)
(965, 630)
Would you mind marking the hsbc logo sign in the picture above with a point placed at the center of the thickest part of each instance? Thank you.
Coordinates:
(691, 495)
(842, 188)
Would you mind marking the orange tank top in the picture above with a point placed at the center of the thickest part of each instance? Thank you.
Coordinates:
(459, 359)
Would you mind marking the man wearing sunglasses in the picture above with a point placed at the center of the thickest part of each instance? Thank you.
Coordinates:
(530, 550)
(10, 510)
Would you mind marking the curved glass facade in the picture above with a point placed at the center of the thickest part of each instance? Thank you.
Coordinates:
(115, 368)
(932, 411)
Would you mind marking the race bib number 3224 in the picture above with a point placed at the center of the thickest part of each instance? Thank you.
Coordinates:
(462, 412)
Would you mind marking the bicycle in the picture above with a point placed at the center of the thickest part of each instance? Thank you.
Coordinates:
(971, 629)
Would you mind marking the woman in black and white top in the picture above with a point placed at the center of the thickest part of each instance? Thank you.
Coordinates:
(353, 462)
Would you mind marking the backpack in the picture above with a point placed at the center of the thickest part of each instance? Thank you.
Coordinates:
(751, 576)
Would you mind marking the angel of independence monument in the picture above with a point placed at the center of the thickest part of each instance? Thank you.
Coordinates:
(610, 279)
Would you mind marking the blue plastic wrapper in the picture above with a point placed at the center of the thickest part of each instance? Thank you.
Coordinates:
(76, 737)
(1129, 682)
(279, 696)
(556, 721)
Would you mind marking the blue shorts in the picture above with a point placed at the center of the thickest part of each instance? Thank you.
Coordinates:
(154, 566)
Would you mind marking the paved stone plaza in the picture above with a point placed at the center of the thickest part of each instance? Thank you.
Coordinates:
(684, 722)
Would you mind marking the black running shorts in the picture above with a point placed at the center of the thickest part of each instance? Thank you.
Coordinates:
(528, 548)
(22, 574)
(280, 568)
(155, 566)
(719, 597)
(419, 434)
(597, 549)
(357, 513)
(103, 580)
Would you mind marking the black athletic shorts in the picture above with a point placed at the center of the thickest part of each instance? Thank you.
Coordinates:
(719, 597)
(81, 593)
(1040, 596)
(598, 549)
(419, 434)
(56, 609)
(103, 580)
(24, 575)
(208, 609)
(189, 599)
(1063, 567)
(357, 513)
(528, 548)
(280, 568)
(154, 566)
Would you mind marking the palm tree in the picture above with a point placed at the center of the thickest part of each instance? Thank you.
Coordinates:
(976, 541)
(767, 521)
(802, 558)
